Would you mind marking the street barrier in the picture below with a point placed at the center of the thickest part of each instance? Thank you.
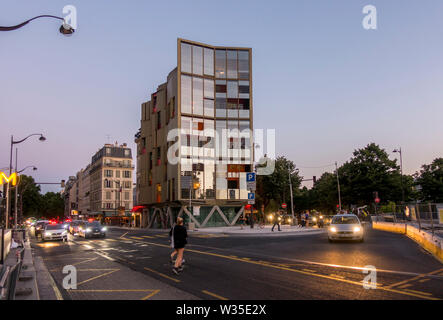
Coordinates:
(425, 239)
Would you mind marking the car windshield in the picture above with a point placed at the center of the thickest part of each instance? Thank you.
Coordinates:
(345, 220)
(94, 224)
(54, 227)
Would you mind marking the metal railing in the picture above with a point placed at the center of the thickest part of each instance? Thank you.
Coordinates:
(425, 216)
(9, 277)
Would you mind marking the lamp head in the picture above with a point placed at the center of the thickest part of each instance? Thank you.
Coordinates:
(66, 29)
(42, 138)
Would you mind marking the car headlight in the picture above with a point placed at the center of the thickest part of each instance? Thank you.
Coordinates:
(88, 230)
(104, 229)
(333, 229)
(314, 219)
(321, 217)
(357, 229)
(47, 233)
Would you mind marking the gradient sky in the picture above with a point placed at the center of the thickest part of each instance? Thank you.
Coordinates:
(326, 85)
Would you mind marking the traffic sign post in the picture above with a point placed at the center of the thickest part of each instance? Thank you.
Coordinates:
(251, 186)
(283, 205)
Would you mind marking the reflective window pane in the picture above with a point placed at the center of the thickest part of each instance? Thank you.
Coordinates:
(209, 88)
(197, 98)
(186, 94)
(232, 64)
(220, 64)
(209, 107)
(209, 61)
(197, 60)
(243, 64)
(232, 89)
(185, 57)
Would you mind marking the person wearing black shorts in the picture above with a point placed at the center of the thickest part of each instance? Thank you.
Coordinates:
(180, 236)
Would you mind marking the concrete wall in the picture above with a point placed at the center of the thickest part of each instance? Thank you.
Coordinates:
(425, 239)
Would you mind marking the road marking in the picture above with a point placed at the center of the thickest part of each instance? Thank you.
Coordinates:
(214, 295)
(405, 286)
(148, 237)
(162, 275)
(124, 234)
(54, 287)
(112, 240)
(103, 255)
(298, 271)
(86, 270)
(138, 238)
(96, 277)
(415, 278)
(340, 277)
(150, 295)
(87, 260)
(308, 270)
(419, 292)
(423, 280)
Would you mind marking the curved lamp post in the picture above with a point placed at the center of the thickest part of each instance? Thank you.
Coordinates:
(65, 28)
(42, 138)
(16, 192)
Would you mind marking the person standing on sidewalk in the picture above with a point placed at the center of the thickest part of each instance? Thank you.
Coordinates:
(179, 239)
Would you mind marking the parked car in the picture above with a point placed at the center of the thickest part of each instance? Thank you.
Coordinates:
(73, 226)
(88, 229)
(345, 227)
(54, 231)
(39, 227)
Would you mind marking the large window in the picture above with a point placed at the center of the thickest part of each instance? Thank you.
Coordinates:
(232, 64)
(197, 97)
(186, 58)
(220, 64)
(243, 64)
(186, 94)
(197, 60)
(209, 61)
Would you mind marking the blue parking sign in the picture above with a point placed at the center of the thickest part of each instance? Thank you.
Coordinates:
(251, 196)
(250, 177)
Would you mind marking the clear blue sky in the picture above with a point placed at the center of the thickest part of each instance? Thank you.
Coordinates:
(323, 82)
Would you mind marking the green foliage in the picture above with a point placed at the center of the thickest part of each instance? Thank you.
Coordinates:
(276, 185)
(33, 203)
(430, 179)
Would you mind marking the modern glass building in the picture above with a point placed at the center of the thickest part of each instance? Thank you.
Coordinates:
(194, 144)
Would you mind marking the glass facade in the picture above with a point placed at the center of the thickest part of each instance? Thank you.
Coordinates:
(215, 141)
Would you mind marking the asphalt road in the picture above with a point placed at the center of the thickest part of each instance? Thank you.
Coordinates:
(244, 267)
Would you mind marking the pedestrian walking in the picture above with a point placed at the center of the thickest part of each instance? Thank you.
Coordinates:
(179, 237)
(277, 218)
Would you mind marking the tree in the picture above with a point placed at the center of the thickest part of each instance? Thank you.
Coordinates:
(276, 185)
(430, 179)
(52, 205)
(30, 197)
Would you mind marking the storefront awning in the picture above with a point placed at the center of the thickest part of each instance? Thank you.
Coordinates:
(138, 209)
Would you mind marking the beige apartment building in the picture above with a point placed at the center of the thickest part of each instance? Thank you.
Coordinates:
(205, 107)
(110, 179)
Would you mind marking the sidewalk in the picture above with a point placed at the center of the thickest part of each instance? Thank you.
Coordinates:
(257, 231)
(247, 231)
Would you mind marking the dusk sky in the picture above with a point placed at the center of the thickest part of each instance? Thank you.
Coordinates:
(327, 85)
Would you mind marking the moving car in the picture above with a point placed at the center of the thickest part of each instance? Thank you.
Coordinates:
(39, 227)
(345, 227)
(89, 229)
(54, 231)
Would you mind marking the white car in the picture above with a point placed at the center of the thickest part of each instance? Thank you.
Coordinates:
(345, 227)
(54, 232)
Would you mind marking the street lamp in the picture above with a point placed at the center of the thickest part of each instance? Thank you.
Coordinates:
(41, 138)
(401, 179)
(65, 28)
(16, 189)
